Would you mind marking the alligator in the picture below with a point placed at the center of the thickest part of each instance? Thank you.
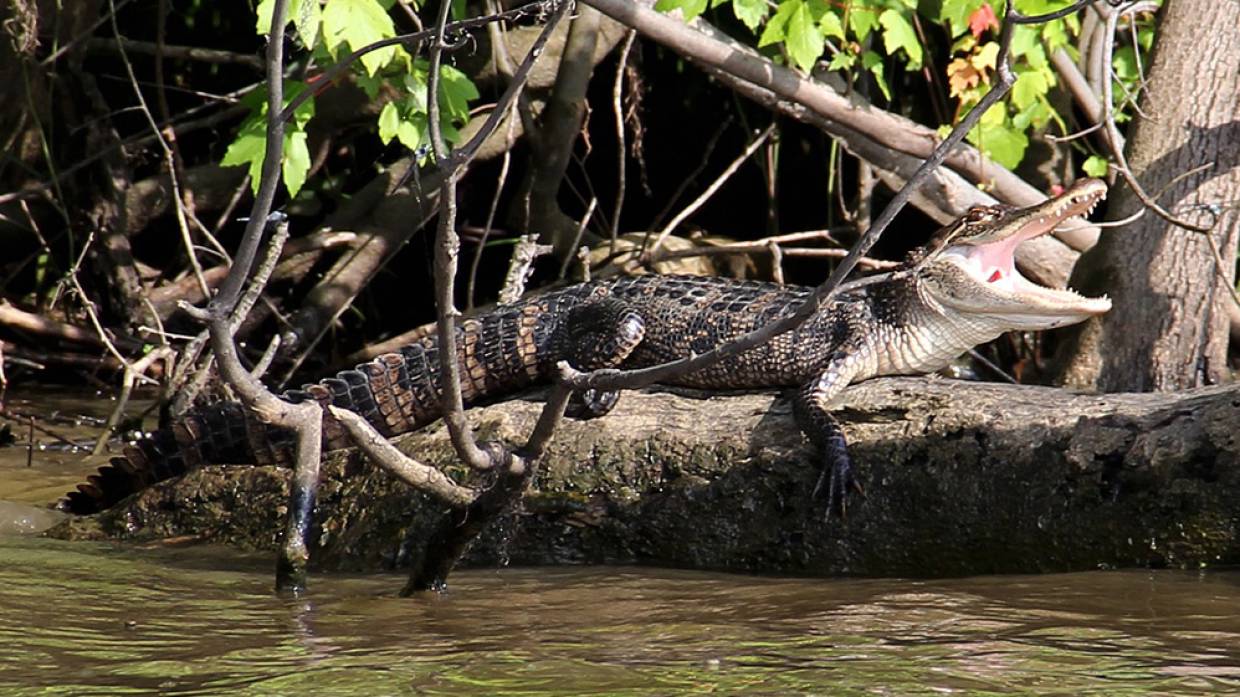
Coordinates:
(961, 289)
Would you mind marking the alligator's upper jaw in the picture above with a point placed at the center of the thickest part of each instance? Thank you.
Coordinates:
(1002, 290)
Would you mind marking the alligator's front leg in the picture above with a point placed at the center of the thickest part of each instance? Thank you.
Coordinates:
(600, 333)
(812, 408)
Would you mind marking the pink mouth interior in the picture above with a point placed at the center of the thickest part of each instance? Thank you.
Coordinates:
(998, 261)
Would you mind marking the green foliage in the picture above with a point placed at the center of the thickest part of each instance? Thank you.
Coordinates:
(1096, 166)
(898, 35)
(688, 8)
(876, 36)
(330, 30)
(250, 145)
(351, 24)
(406, 118)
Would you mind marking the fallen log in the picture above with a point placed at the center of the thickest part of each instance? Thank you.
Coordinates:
(961, 478)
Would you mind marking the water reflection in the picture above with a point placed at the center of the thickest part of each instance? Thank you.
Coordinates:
(96, 619)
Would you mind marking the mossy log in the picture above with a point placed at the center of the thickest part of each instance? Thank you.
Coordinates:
(960, 478)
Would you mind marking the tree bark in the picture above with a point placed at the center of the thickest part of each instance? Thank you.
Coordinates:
(1168, 328)
(961, 478)
(536, 207)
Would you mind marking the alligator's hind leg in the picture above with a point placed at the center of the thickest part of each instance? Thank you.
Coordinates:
(597, 334)
(811, 406)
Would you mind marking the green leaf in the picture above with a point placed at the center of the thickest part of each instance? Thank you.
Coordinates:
(994, 116)
(1004, 145)
(304, 14)
(830, 26)
(412, 132)
(1055, 34)
(804, 42)
(1024, 38)
(1096, 166)
(986, 56)
(1035, 115)
(775, 29)
(455, 91)
(898, 34)
(264, 11)
(956, 14)
(688, 8)
(862, 20)
(1030, 86)
(303, 113)
(370, 84)
(1124, 63)
(873, 62)
(358, 23)
(389, 121)
(250, 145)
(1041, 7)
(296, 161)
(842, 61)
(750, 12)
(306, 19)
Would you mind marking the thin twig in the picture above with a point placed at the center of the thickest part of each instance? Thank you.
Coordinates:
(169, 158)
(85, 34)
(417, 475)
(652, 254)
(707, 151)
(471, 282)
(1114, 140)
(520, 266)
(133, 372)
(617, 91)
(581, 229)
(194, 53)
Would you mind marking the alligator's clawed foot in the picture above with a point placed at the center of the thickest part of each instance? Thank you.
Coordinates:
(837, 475)
(591, 403)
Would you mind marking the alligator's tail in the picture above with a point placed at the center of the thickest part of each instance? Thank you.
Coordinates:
(396, 392)
(214, 433)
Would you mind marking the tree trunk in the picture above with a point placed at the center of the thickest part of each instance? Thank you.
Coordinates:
(960, 478)
(1168, 328)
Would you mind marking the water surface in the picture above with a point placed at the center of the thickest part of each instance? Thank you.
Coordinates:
(102, 619)
(87, 619)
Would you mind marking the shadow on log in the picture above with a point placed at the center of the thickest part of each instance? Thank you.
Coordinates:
(961, 478)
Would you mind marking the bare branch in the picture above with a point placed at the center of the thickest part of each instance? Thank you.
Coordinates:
(194, 53)
(447, 248)
(417, 475)
(581, 229)
(617, 90)
(520, 266)
(845, 117)
(1115, 140)
(178, 201)
(652, 255)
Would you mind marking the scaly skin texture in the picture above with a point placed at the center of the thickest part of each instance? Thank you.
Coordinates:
(959, 291)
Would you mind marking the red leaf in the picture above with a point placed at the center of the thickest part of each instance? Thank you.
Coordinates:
(983, 18)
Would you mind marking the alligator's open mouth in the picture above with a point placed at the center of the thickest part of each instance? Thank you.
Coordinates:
(989, 257)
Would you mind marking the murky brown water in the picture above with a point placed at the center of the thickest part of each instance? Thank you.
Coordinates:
(96, 619)
(79, 619)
